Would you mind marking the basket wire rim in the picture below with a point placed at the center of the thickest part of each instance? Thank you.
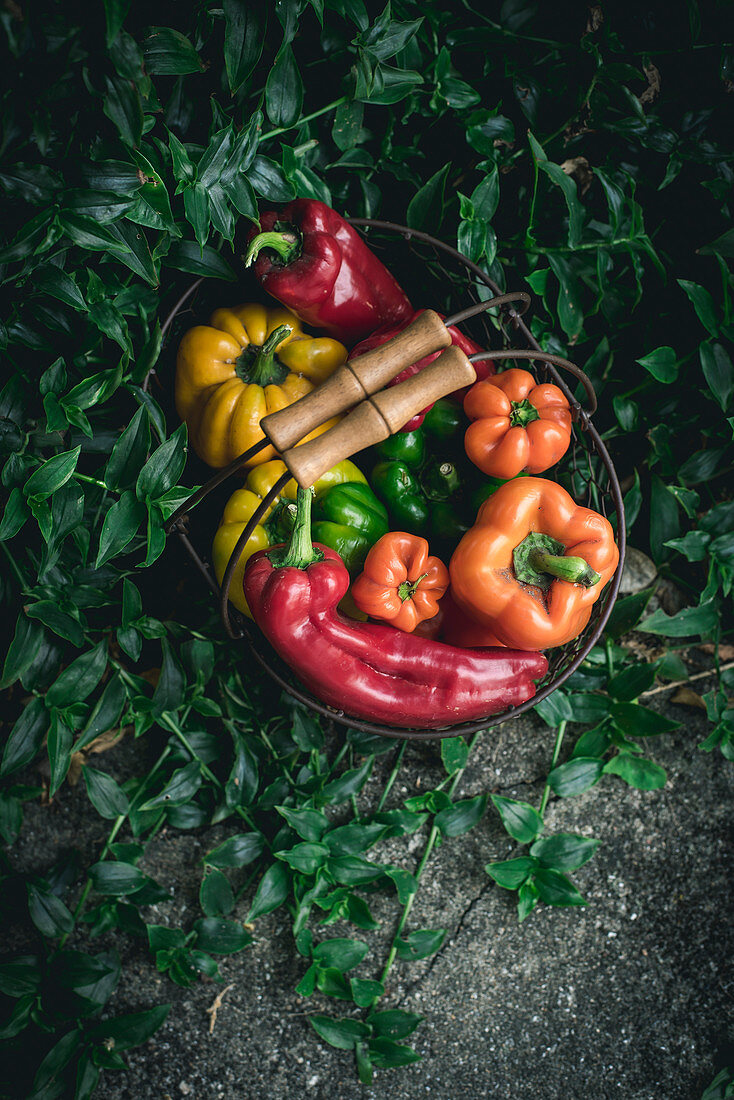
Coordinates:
(582, 416)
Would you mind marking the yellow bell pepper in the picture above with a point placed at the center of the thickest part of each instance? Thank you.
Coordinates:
(241, 506)
(249, 361)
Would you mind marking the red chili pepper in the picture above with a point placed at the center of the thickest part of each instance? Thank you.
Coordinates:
(310, 259)
(483, 367)
(368, 670)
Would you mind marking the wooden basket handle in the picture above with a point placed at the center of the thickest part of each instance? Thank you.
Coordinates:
(356, 380)
(379, 416)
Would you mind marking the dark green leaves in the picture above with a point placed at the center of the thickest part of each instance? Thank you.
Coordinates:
(661, 363)
(427, 205)
(521, 820)
(284, 89)
(556, 175)
(243, 41)
(169, 53)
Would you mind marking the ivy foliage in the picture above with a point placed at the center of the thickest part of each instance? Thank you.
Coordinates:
(583, 155)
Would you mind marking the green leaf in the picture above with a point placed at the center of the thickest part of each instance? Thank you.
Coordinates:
(351, 782)
(117, 879)
(129, 453)
(638, 721)
(272, 891)
(181, 787)
(662, 363)
(365, 991)
(25, 644)
(134, 1028)
(244, 38)
(342, 1034)
(353, 870)
(269, 180)
(215, 894)
(420, 944)
(47, 911)
(521, 820)
(105, 794)
(454, 754)
(556, 175)
(115, 13)
(124, 109)
(349, 839)
(385, 1054)
(187, 256)
(51, 475)
(59, 744)
(703, 304)
(718, 371)
(427, 205)
(106, 712)
(637, 772)
(527, 899)
(664, 518)
(555, 888)
(394, 1023)
(221, 937)
(15, 515)
(461, 816)
(344, 954)
(564, 851)
(306, 857)
(60, 622)
(169, 691)
(575, 777)
(164, 467)
(511, 873)
(80, 678)
(690, 622)
(120, 526)
(284, 89)
(169, 53)
(631, 682)
(309, 824)
(237, 851)
(626, 613)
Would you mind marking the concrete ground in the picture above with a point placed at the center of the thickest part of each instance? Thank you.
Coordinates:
(629, 998)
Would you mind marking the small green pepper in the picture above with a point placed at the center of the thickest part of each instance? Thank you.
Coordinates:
(407, 447)
(445, 421)
(401, 491)
(350, 519)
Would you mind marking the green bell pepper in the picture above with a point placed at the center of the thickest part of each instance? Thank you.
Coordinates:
(406, 447)
(350, 519)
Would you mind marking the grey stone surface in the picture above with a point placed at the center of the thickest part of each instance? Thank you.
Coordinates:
(629, 998)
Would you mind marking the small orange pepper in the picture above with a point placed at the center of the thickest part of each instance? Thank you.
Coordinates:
(400, 583)
(517, 424)
(533, 565)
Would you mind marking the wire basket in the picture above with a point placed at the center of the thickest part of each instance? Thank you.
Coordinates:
(439, 276)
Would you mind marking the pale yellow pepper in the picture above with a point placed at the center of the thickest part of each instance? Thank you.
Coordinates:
(229, 376)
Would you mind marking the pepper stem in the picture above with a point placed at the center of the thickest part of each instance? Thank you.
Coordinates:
(523, 413)
(539, 560)
(407, 589)
(284, 243)
(300, 551)
(257, 365)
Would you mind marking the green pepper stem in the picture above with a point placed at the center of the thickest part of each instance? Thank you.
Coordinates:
(575, 570)
(523, 413)
(539, 560)
(407, 589)
(285, 243)
(257, 365)
(300, 551)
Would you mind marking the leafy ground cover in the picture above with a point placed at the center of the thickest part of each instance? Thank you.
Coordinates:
(586, 157)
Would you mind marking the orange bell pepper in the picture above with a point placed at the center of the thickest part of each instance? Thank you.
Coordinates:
(400, 583)
(533, 564)
(517, 424)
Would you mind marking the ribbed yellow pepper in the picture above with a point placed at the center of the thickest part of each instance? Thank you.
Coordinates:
(240, 507)
(243, 365)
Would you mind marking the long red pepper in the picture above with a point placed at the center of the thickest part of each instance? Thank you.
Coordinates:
(483, 367)
(310, 259)
(365, 669)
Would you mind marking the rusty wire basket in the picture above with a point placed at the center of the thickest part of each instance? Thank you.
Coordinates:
(437, 275)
